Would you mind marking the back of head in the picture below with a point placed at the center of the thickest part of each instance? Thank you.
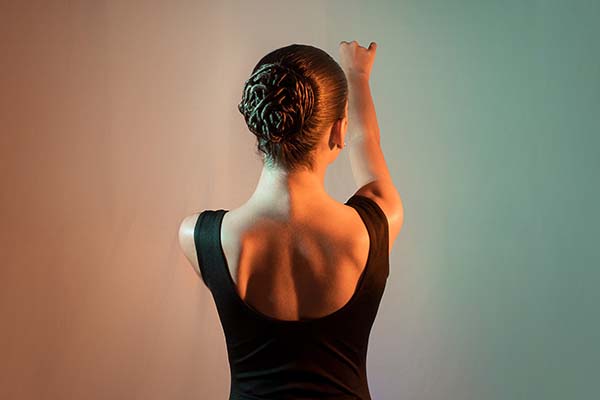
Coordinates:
(293, 94)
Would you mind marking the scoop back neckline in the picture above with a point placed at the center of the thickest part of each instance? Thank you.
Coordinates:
(260, 315)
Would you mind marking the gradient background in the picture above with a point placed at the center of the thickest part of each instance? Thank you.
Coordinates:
(118, 118)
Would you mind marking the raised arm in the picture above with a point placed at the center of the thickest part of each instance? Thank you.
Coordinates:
(369, 168)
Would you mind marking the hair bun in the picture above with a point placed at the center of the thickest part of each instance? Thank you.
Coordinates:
(276, 102)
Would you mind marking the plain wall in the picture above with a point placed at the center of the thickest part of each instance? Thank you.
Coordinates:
(118, 118)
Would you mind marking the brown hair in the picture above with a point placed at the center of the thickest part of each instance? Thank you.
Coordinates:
(292, 95)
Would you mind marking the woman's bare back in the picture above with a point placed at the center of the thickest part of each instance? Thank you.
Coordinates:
(306, 266)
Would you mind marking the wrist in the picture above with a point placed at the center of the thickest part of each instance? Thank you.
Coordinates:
(353, 75)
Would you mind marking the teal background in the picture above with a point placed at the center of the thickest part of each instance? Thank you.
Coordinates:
(490, 118)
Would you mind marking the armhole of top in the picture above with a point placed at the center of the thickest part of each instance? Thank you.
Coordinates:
(200, 234)
(372, 206)
(377, 218)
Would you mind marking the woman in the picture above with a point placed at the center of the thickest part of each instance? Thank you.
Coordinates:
(297, 276)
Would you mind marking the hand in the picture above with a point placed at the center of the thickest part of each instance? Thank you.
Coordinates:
(357, 60)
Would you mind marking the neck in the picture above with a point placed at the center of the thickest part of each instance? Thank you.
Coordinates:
(284, 190)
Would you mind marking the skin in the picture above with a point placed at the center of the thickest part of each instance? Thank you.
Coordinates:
(293, 251)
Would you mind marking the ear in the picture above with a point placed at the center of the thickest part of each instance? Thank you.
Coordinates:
(345, 123)
(338, 130)
(344, 126)
(338, 133)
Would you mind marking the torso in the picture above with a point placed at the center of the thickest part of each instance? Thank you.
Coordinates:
(306, 266)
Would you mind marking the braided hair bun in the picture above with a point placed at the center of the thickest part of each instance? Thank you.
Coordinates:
(276, 102)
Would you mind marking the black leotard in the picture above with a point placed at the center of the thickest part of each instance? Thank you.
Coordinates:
(321, 358)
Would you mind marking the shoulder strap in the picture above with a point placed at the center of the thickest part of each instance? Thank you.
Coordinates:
(377, 225)
(206, 241)
(213, 269)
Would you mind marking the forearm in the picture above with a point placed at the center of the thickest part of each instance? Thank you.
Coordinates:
(363, 139)
(362, 120)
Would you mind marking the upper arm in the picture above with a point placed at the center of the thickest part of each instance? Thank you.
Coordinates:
(186, 240)
(373, 178)
(367, 160)
(388, 199)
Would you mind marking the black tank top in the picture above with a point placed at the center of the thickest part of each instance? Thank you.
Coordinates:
(320, 358)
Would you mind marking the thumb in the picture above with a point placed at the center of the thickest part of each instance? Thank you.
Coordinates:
(372, 46)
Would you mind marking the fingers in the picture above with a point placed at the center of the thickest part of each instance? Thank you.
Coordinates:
(372, 45)
(352, 43)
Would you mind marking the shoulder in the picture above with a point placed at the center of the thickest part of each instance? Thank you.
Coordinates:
(186, 239)
(389, 202)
